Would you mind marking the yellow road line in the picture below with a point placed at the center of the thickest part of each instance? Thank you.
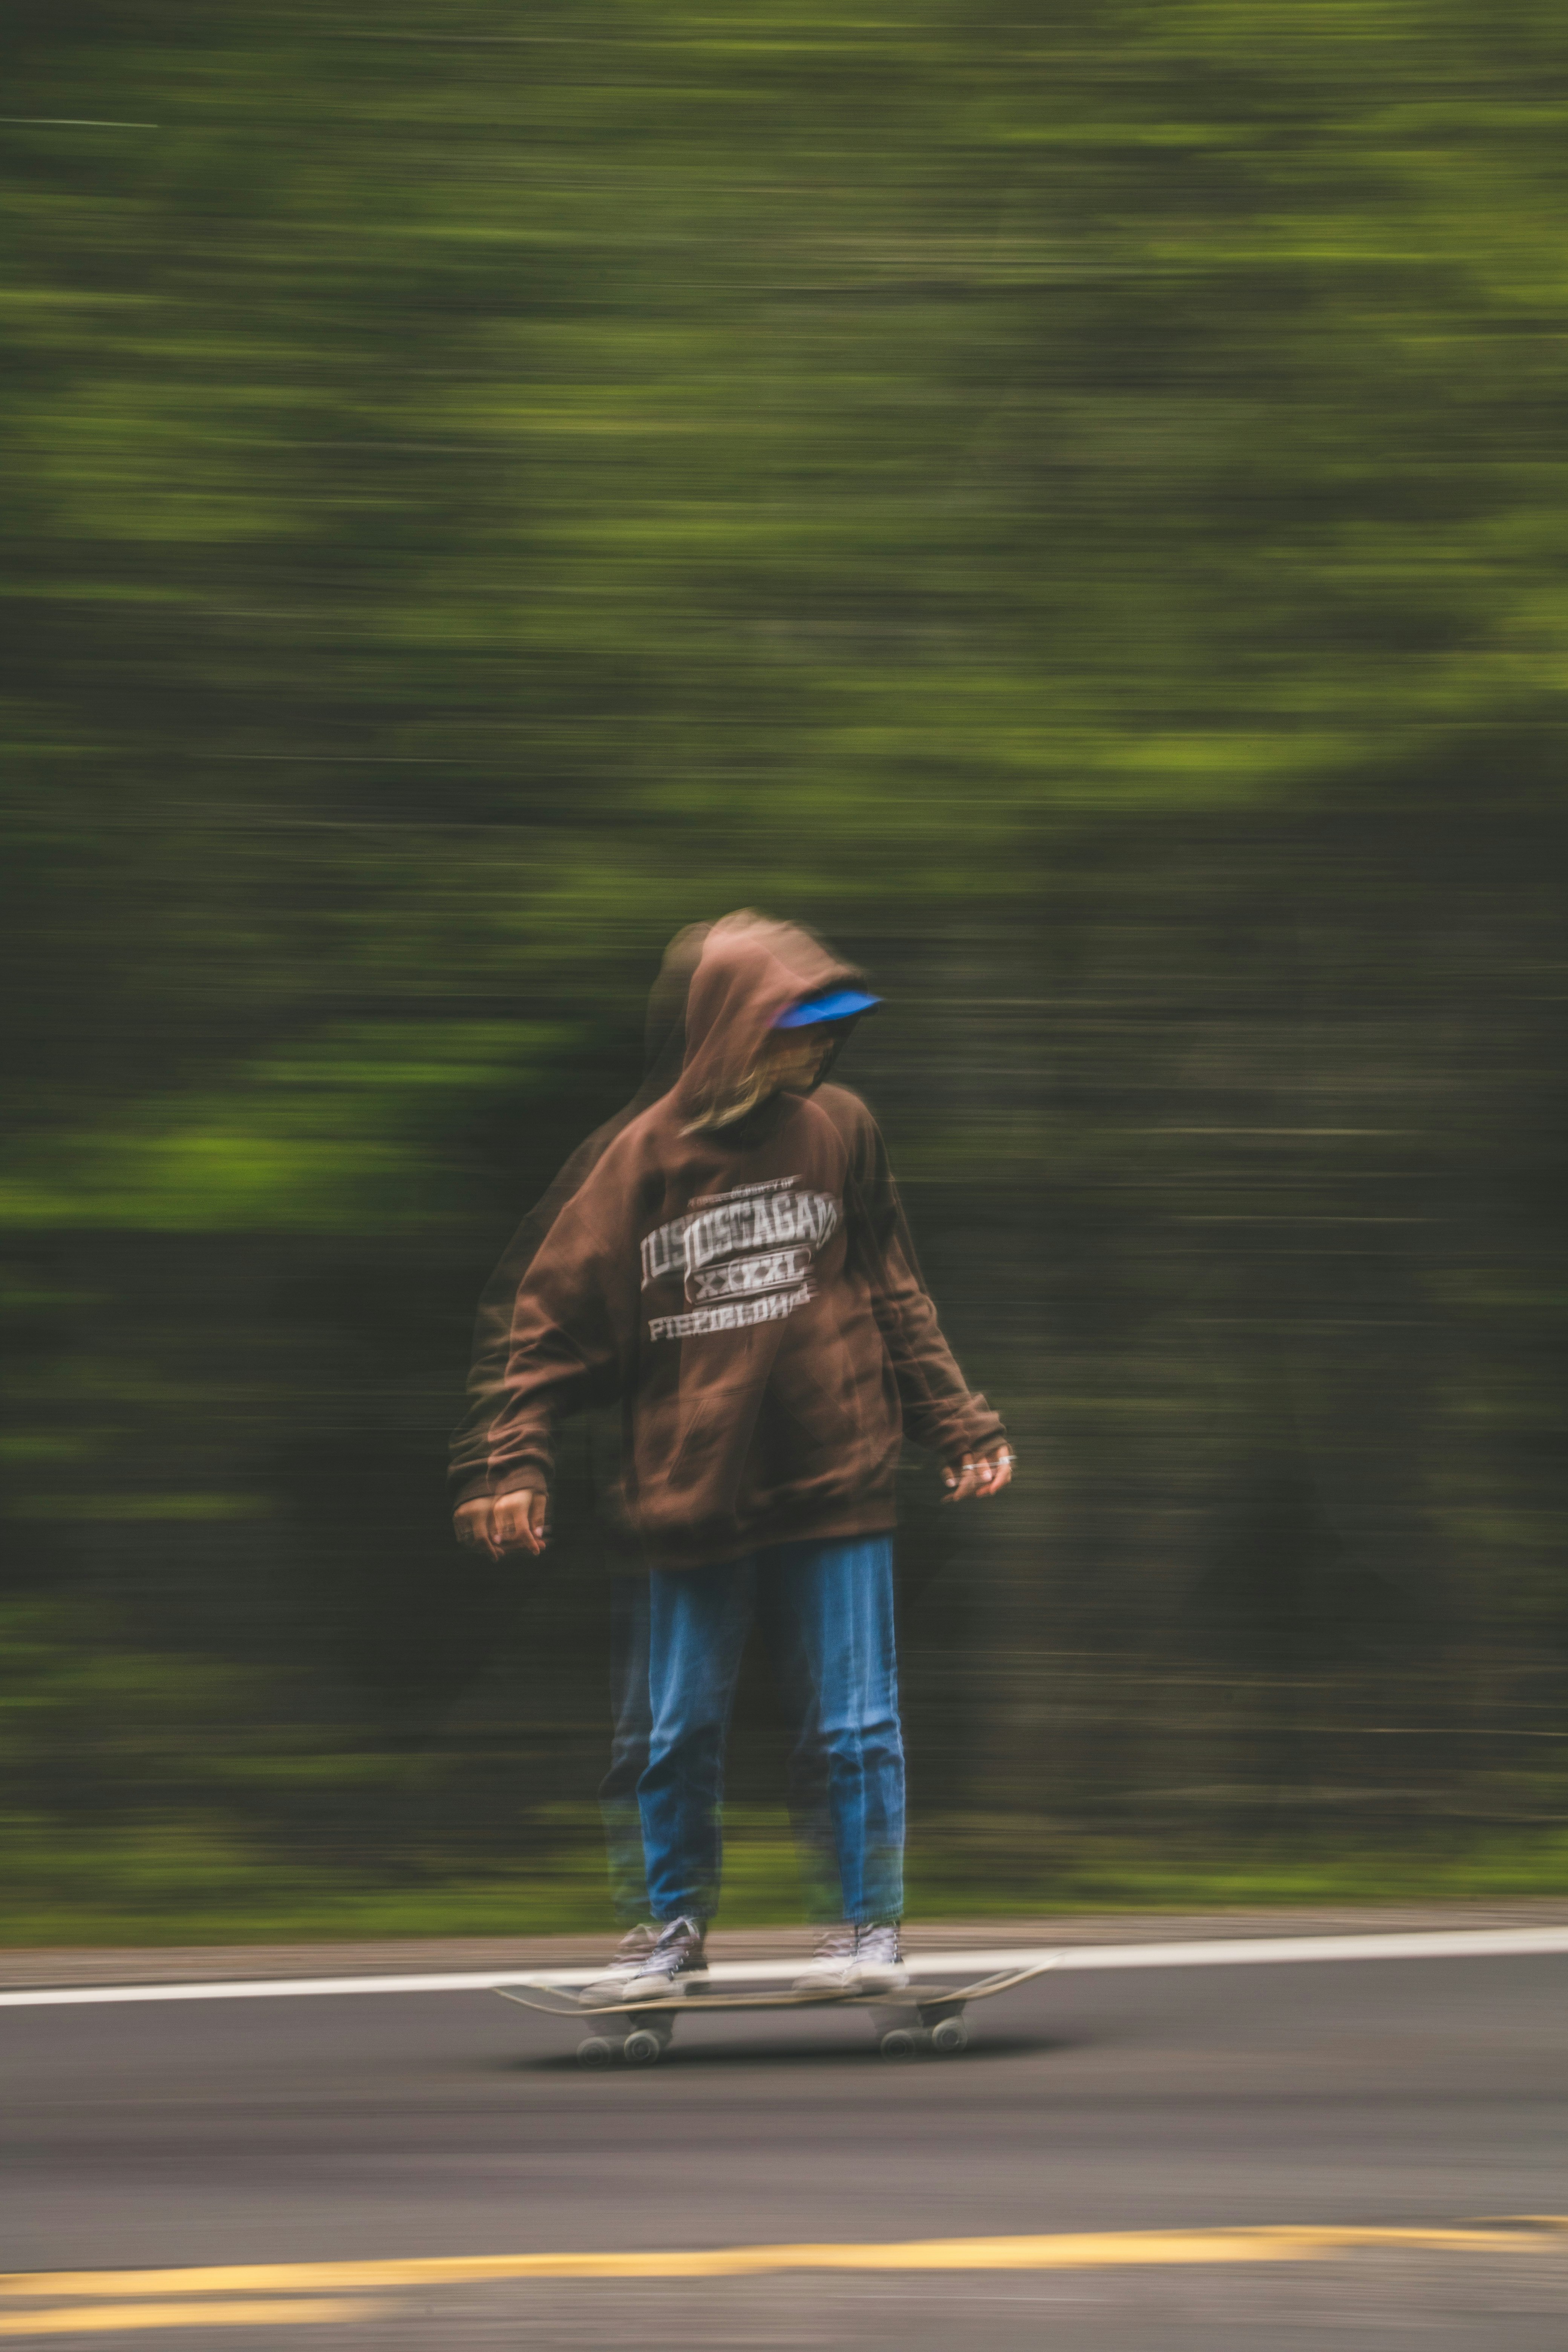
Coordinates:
(112, 2318)
(1086, 2250)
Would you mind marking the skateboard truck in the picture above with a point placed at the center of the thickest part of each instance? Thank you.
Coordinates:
(938, 2026)
(645, 2046)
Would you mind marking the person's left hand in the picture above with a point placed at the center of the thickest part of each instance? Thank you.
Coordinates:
(983, 1473)
(517, 1519)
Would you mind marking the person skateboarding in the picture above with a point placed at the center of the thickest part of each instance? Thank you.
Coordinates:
(469, 1482)
(735, 1270)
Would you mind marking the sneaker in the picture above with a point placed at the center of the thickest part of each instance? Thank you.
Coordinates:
(831, 1968)
(630, 1953)
(675, 1960)
(878, 1963)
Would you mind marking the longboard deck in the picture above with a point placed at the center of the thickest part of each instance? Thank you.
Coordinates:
(554, 2000)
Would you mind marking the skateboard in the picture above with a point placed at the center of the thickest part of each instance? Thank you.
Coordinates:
(913, 2019)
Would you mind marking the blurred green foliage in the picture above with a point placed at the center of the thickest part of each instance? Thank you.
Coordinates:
(1074, 502)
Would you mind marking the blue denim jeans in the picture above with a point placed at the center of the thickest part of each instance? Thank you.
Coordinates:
(628, 1746)
(829, 1611)
(631, 1721)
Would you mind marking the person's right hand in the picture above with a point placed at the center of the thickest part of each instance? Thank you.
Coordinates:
(517, 1520)
(984, 1474)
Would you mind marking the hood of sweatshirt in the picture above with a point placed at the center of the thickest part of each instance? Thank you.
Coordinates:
(664, 1031)
(751, 969)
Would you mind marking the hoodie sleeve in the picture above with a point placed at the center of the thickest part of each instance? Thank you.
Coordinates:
(565, 1350)
(468, 1467)
(468, 1462)
(942, 1412)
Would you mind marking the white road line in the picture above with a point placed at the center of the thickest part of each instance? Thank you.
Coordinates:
(1230, 1952)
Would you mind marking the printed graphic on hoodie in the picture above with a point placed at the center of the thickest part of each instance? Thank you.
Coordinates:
(744, 1257)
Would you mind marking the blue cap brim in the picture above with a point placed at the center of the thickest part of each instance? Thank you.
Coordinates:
(833, 1004)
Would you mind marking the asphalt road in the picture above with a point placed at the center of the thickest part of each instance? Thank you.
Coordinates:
(283, 2132)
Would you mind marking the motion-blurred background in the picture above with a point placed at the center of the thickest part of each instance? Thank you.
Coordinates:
(1070, 500)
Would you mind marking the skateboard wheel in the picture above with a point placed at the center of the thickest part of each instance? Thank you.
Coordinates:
(643, 2048)
(596, 2052)
(949, 2037)
(900, 2043)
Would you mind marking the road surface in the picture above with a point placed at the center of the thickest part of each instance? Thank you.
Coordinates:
(1291, 2156)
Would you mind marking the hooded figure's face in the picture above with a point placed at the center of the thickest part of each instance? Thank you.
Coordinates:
(788, 1061)
(752, 970)
(795, 1060)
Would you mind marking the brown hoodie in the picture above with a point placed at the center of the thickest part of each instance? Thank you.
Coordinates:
(749, 1292)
